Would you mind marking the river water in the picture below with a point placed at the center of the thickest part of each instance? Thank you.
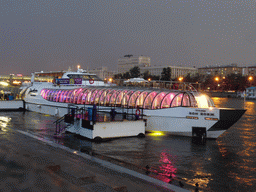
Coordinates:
(225, 164)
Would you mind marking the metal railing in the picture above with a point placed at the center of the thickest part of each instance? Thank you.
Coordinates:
(58, 129)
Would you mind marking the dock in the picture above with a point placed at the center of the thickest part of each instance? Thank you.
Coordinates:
(29, 162)
(32, 163)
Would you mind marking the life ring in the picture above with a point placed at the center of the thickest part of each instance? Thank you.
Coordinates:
(91, 81)
(137, 112)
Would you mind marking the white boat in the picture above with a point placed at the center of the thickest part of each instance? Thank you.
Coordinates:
(176, 112)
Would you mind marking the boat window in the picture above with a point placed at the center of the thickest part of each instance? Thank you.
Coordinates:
(72, 96)
(186, 100)
(74, 76)
(68, 96)
(60, 96)
(88, 98)
(166, 103)
(95, 78)
(149, 99)
(158, 100)
(80, 95)
(108, 96)
(97, 97)
(77, 95)
(49, 94)
(103, 95)
(113, 97)
(53, 95)
(56, 95)
(84, 97)
(176, 102)
(133, 98)
(119, 98)
(64, 96)
(193, 102)
(92, 99)
(141, 98)
(126, 98)
(43, 93)
(84, 77)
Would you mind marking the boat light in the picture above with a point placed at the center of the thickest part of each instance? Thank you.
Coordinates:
(212, 119)
(202, 101)
(157, 133)
(4, 83)
(191, 117)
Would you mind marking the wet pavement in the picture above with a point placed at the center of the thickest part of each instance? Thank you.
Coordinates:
(29, 161)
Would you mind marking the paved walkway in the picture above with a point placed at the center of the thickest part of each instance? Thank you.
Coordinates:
(28, 163)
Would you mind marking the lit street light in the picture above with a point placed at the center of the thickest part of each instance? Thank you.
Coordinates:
(217, 80)
(250, 78)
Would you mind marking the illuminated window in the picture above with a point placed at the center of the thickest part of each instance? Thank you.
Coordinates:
(176, 102)
(114, 97)
(97, 97)
(158, 100)
(68, 96)
(133, 98)
(166, 103)
(107, 97)
(77, 95)
(126, 98)
(79, 98)
(103, 95)
(88, 98)
(119, 98)
(141, 98)
(149, 99)
(57, 95)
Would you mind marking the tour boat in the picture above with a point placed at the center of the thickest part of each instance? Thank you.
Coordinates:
(176, 112)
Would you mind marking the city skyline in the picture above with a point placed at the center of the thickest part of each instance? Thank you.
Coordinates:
(55, 35)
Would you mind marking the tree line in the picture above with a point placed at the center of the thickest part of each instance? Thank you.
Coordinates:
(135, 73)
(234, 82)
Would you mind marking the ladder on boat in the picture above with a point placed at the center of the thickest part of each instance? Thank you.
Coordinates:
(59, 130)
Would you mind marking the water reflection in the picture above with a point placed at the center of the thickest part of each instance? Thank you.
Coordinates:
(4, 121)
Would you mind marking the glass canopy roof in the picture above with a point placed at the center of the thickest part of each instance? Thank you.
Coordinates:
(124, 97)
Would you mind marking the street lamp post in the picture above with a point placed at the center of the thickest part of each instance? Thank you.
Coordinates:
(250, 78)
(180, 80)
(217, 80)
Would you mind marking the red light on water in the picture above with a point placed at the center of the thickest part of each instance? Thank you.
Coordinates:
(167, 170)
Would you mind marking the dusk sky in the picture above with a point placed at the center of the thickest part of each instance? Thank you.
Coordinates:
(50, 35)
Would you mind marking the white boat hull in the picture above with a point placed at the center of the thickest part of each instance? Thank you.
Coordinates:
(174, 121)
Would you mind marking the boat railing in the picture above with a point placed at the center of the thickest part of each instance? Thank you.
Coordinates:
(58, 129)
(95, 115)
(160, 84)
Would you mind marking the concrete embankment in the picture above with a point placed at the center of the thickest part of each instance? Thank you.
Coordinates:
(31, 163)
(12, 105)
